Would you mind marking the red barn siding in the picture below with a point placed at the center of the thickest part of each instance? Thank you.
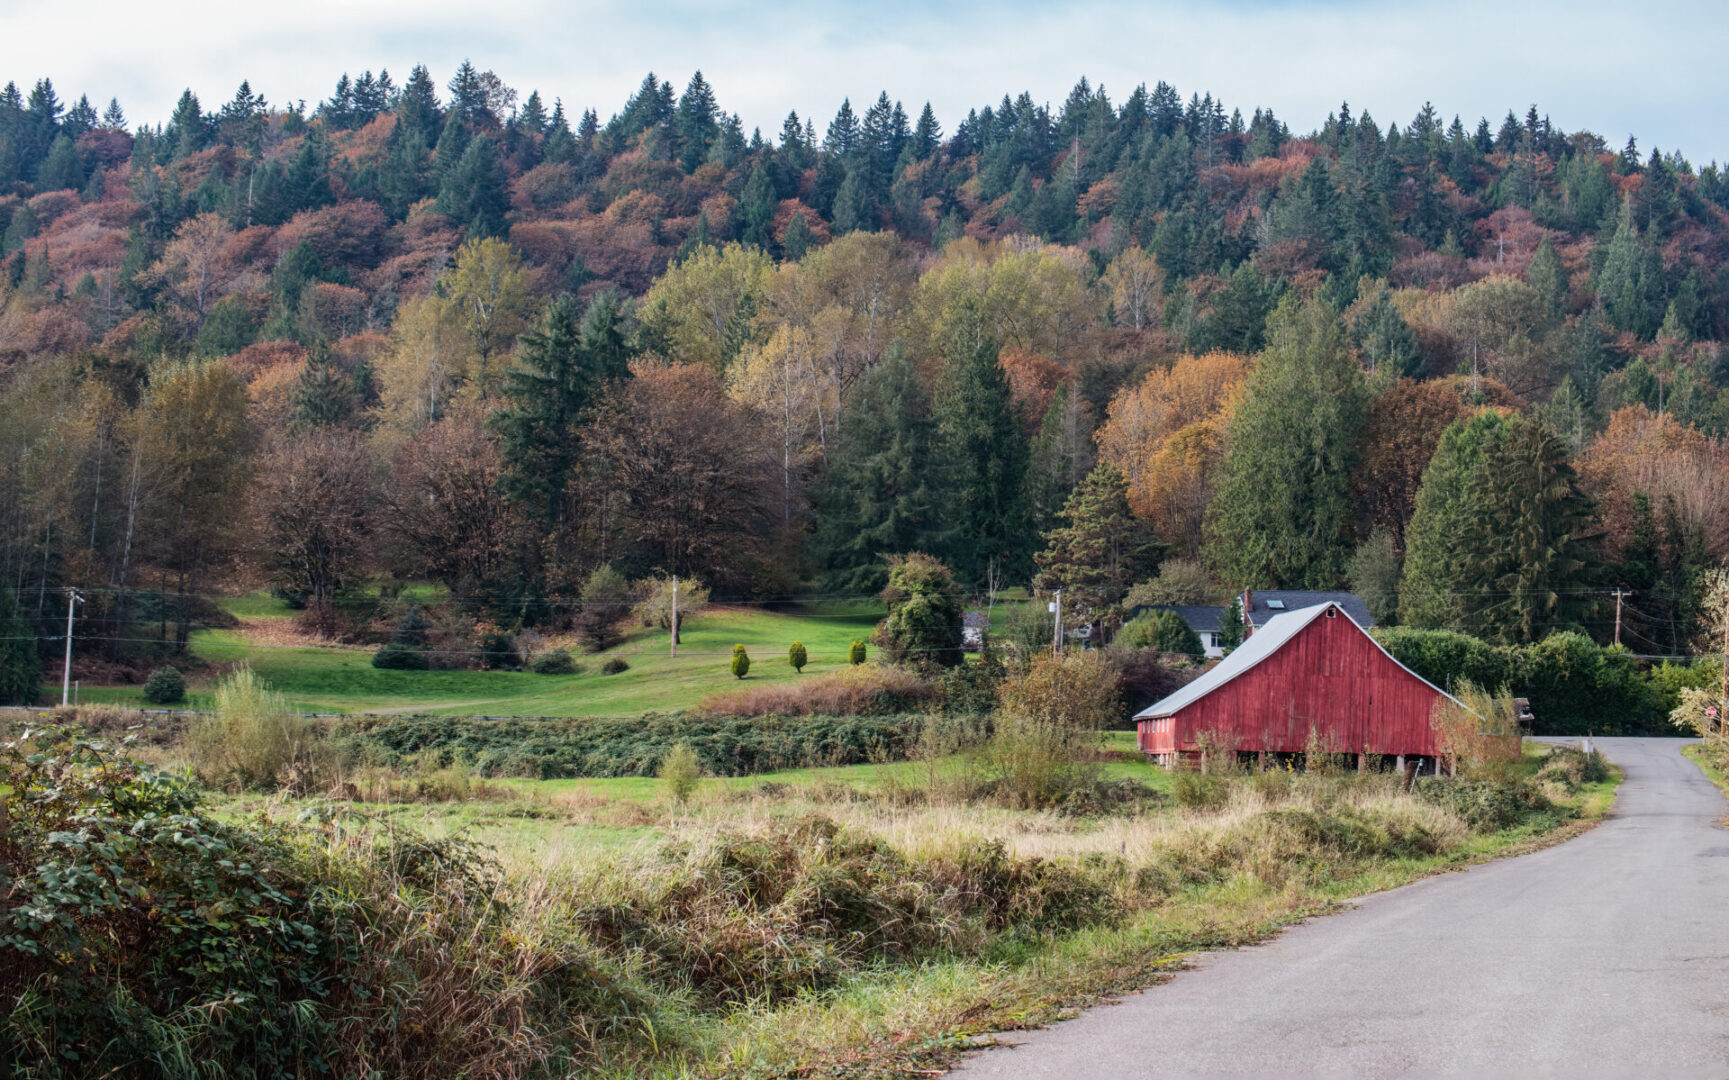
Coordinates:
(1331, 678)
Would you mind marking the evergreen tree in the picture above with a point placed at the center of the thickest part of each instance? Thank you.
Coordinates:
(1527, 554)
(983, 455)
(308, 181)
(1100, 550)
(474, 196)
(20, 666)
(852, 209)
(187, 131)
(757, 206)
(874, 499)
(695, 123)
(797, 238)
(1630, 285)
(417, 109)
(565, 364)
(63, 169)
(927, 136)
(325, 395)
(1549, 278)
(1282, 513)
(1429, 594)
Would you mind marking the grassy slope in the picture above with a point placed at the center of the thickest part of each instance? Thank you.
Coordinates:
(343, 680)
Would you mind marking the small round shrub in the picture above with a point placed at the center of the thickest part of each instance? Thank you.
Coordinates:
(1163, 631)
(855, 653)
(740, 661)
(165, 686)
(614, 666)
(498, 649)
(797, 656)
(399, 657)
(553, 662)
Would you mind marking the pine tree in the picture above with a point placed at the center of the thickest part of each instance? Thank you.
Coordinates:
(1282, 513)
(1100, 550)
(1429, 584)
(695, 124)
(852, 209)
(564, 366)
(1630, 285)
(1549, 278)
(757, 207)
(325, 395)
(1527, 553)
(417, 108)
(874, 499)
(796, 240)
(927, 136)
(63, 169)
(474, 196)
(982, 454)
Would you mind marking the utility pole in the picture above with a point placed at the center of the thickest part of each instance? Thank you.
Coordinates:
(1057, 628)
(1619, 593)
(72, 597)
(675, 615)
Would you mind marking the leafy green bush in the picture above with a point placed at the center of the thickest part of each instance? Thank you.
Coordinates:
(498, 651)
(681, 771)
(797, 656)
(740, 661)
(554, 662)
(165, 686)
(629, 746)
(142, 938)
(855, 653)
(614, 665)
(1445, 656)
(1162, 631)
(397, 656)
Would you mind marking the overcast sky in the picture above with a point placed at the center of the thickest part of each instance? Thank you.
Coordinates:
(1653, 68)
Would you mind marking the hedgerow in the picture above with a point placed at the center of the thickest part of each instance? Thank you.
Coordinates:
(548, 748)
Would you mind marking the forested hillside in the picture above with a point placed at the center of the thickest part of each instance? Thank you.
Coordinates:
(456, 334)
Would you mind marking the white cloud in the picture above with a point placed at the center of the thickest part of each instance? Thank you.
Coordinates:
(1651, 70)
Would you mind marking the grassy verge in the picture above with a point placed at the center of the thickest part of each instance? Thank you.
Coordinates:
(1194, 870)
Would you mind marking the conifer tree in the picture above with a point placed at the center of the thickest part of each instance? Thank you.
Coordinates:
(1282, 513)
(1100, 549)
(982, 453)
(417, 109)
(474, 196)
(757, 206)
(875, 498)
(1429, 585)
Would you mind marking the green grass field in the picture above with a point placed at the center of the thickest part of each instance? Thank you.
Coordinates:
(344, 680)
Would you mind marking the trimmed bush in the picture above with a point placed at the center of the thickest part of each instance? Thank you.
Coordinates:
(856, 652)
(740, 661)
(554, 662)
(165, 686)
(797, 657)
(614, 665)
(398, 656)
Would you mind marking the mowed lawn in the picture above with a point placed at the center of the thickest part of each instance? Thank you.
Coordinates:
(344, 680)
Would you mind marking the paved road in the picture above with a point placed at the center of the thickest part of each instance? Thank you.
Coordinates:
(1606, 956)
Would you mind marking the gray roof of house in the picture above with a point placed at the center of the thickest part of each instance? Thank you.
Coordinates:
(1260, 645)
(1261, 611)
(1202, 620)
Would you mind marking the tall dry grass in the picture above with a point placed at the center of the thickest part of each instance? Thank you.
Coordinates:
(252, 739)
(860, 690)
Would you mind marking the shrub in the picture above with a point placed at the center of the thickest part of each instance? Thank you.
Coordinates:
(412, 628)
(681, 771)
(614, 665)
(871, 690)
(797, 657)
(606, 600)
(397, 656)
(165, 686)
(1162, 631)
(1147, 676)
(924, 620)
(971, 689)
(855, 653)
(1445, 656)
(1044, 748)
(740, 661)
(553, 662)
(253, 740)
(498, 651)
(145, 938)
(654, 601)
(1486, 806)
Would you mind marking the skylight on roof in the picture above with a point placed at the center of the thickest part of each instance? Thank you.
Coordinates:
(1276, 605)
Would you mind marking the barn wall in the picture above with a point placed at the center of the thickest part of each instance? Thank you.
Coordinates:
(1330, 677)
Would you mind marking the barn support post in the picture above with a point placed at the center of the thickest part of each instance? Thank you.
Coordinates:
(1362, 762)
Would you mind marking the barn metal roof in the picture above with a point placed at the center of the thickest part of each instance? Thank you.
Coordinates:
(1264, 642)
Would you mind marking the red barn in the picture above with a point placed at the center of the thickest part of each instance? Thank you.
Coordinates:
(1312, 674)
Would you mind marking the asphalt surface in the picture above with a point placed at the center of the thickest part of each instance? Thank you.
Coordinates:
(1606, 956)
